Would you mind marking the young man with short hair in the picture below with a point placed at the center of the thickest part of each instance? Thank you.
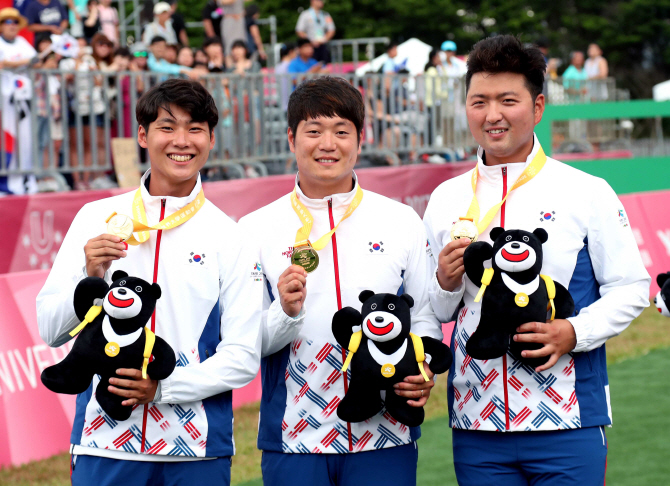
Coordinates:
(380, 245)
(513, 424)
(304, 62)
(318, 27)
(180, 431)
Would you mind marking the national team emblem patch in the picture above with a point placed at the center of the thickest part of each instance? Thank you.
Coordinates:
(547, 216)
(623, 219)
(197, 258)
(429, 250)
(376, 247)
(257, 273)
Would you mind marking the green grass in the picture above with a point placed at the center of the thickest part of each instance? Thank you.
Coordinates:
(638, 444)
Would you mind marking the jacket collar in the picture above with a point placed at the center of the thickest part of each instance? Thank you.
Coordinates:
(339, 200)
(492, 173)
(152, 204)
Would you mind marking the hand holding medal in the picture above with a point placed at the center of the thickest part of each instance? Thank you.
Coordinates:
(292, 287)
(467, 229)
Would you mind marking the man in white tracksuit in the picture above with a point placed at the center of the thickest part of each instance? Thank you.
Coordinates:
(381, 246)
(181, 429)
(512, 424)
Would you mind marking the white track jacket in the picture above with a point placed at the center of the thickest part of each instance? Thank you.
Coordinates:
(381, 247)
(209, 312)
(591, 251)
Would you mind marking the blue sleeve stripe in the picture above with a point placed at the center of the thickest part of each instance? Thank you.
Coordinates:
(590, 367)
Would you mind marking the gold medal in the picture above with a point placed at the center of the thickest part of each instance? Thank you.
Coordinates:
(521, 299)
(120, 225)
(464, 228)
(112, 349)
(388, 370)
(306, 257)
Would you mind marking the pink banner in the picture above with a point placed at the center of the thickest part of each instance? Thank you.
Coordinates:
(650, 220)
(35, 423)
(34, 226)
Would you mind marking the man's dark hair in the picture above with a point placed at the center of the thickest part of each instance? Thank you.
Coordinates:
(286, 48)
(156, 39)
(188, 95)
(211, 40)
(123, 52)
(391, 45)
(240, 43)
(327, 97)
(302, 42)
(506, 54)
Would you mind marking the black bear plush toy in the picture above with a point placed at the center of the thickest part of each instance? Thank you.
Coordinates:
(382, 352)
(512, 293)
(662, 299)
(111, 336)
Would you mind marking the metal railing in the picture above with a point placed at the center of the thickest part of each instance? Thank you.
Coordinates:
(408, 119)
(365, 46)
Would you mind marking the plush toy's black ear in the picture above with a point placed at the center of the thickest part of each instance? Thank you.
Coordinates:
(118, 274)
(542, 235)
(156, 290)
(408, 298)
(495, 232)
(365, 295)
(662, 278)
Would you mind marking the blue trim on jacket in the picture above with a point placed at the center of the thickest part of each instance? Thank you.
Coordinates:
(80, 415)
(591, 366)
(218, 408)
(273, 399)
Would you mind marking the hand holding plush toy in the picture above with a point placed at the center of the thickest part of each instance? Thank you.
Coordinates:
(662, 299)
(382, 352)
(111, 336)
(513, 292)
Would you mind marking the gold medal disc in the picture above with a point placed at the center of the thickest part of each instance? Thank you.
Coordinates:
(112, 349)
(306, 257)
(388, 370)
(521, 299)
(120, 225)
(464, 228)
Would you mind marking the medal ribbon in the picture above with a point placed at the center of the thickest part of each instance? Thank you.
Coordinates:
(531, 171)
(302, 235)
(172, 221)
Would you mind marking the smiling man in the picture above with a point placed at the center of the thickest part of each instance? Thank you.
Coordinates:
(180, 430)
(378, 245)
(512, 424)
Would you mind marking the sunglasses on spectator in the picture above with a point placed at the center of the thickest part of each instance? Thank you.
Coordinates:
(10, 21)
(141, 54)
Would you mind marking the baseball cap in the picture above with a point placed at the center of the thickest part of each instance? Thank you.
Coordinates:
(138, 47)
(449, 46)
(161, 7)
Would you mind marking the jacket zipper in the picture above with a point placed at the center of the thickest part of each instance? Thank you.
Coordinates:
(502, 225)
(153, 316)
(339, 305)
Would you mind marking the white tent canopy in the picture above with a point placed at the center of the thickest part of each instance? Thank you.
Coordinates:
(662, 91)
(413, 51)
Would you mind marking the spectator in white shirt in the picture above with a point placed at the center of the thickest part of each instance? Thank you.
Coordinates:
(161, 26)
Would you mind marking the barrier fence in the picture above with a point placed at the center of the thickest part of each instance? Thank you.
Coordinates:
(64, 121)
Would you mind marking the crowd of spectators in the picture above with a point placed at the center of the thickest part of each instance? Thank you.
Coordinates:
(90, 30)
(232, 44)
